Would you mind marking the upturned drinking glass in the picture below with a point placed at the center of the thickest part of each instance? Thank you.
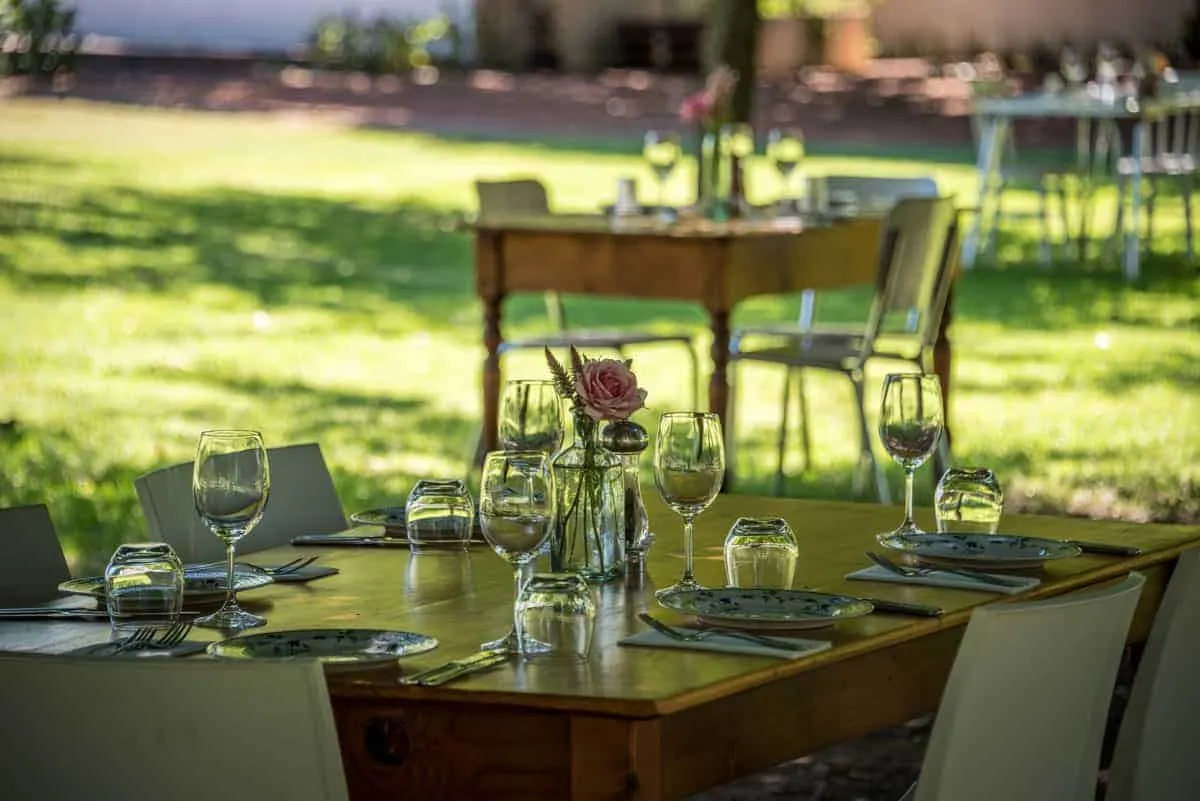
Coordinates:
(968, 500)
(531, 417)
(557, 612)
(439, 515)
(516, 512)
(231, 482)
(910, 422)
(760, 552)
(143, 586)
(689, 468)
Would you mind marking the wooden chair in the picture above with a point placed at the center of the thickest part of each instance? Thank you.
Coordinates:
(527, 197)
(1023, 713)
(187, 730)
(303, 500)
(32, 564)
(917, 258)
(1155, 757)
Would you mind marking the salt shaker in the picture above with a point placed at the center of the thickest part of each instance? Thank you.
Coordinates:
(627, 440)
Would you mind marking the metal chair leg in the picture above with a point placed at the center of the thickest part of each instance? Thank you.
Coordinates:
(1044, 252)
(1117, 240)
(781, 440)
(867, 456)
(1064, 211)
(805, 441)
(1151, 200)
(1187, 217)
(695, 366)
(730, 420)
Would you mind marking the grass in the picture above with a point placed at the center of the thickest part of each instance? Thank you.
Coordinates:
(162, 272)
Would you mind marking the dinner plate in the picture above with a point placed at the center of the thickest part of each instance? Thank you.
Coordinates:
(993, 551)
(392, 519)
(201, 583)
(764, 609)
(332, 646)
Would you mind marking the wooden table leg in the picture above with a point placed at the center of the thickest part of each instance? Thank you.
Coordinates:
(718, 384)
(492, 313)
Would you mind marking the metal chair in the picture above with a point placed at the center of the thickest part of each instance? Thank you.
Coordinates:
(32, 564)
(1155, 758)
(1023, 712)
(917, 259)
(188, 730)
(527, 197)
(303, 500)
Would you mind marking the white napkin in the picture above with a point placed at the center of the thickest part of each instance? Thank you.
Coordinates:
(104, 649)
(725, 644)
(938, 578)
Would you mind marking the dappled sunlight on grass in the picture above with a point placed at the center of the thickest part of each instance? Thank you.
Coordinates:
(163, 272)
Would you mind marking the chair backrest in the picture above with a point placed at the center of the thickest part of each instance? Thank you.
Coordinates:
(184, 730)
(303, 500)
(1024, 709)
(520, 196)
(879, 193)
(913, 255)
(1155, 758)
(523, 196)
(32, 564)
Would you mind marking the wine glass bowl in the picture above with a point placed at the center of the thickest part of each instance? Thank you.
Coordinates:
(516, 514)
(531, 417)
(910, 422)
(231, 481)
(689, 469)
(662, 151)
(785, 149)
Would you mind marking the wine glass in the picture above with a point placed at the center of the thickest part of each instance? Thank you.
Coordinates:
(661, 150)
(531, 417)
(516, 513)
(785, 148)
(1073, 70)
(910, 422)
(689, 467)
(230, 484)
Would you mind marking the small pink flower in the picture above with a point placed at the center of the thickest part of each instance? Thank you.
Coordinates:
(608, 389)
(697, 107)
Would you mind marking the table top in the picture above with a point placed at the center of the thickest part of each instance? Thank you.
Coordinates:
(645, 226)
(465, 599)
(1083, 106)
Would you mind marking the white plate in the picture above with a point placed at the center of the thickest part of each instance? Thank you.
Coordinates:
(993, 551)
(335, 646)
(201, 583)
(764, 609)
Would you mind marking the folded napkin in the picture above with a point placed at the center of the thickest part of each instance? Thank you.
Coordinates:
(729, 645)
(938, 578)
(104, 649)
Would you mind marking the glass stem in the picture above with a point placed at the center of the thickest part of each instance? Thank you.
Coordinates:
(687, 550)
(521, 577)
(230, 595)
(908, 496)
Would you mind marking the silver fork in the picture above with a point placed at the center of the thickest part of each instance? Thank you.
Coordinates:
(288, 567)
(176, 634)
(136, 640)
(916, 572)
(701, 636)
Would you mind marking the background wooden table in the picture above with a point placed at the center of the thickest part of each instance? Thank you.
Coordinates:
(638, 723)
(714, 265)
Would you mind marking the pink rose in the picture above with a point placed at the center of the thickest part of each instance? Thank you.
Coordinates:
(608, 389)
(697, 107)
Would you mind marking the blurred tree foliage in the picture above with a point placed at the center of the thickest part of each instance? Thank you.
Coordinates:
(380, 46)
(36, 37)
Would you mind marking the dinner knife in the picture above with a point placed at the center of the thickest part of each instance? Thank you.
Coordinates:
(1107, 549)
(902, 608)
(456, 668)
(50, 613)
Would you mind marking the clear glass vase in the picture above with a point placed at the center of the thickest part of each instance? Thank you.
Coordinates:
(589, 487)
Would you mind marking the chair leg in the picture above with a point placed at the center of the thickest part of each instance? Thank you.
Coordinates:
(1064, 210)
(781, 440)
(694, 363)
(1044, 252)
(1151, 199)
(1187, 217)
(1117, 240)
(805, 441)
(730, 419)
(993, 242)
(868, 464)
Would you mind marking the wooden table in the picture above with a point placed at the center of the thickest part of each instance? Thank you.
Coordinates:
(715, 265)
(635, 723)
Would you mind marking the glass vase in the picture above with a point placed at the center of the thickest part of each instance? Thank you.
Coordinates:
(589, 486)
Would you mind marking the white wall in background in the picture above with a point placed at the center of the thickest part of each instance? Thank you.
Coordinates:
(239, 25)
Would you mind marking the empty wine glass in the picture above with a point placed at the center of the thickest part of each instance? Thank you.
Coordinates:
(230, 484)
(516, 513)
(785, 148)
(689, 467)
(1073, 70)
(661, 150)
(910, 422)
(531, 417)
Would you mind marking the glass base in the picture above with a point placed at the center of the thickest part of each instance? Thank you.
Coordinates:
(510, 643)
(907, 528)
(683, 585)
(230, 618)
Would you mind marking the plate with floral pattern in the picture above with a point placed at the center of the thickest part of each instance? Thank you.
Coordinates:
(764, 609)
(992, 551)
(331, 646)
(201, 583)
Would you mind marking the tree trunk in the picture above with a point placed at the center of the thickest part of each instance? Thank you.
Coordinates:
(733, 40)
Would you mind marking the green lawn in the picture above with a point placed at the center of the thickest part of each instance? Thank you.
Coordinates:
(162, 272)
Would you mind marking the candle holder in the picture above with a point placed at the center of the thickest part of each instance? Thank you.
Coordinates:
(627, 440)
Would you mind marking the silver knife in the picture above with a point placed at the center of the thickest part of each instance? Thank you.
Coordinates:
(456, 668)
(902, 608)
(43, 613)
(1105, 548)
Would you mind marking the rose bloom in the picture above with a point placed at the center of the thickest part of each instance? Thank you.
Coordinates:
(609, 390)
(696, 108)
